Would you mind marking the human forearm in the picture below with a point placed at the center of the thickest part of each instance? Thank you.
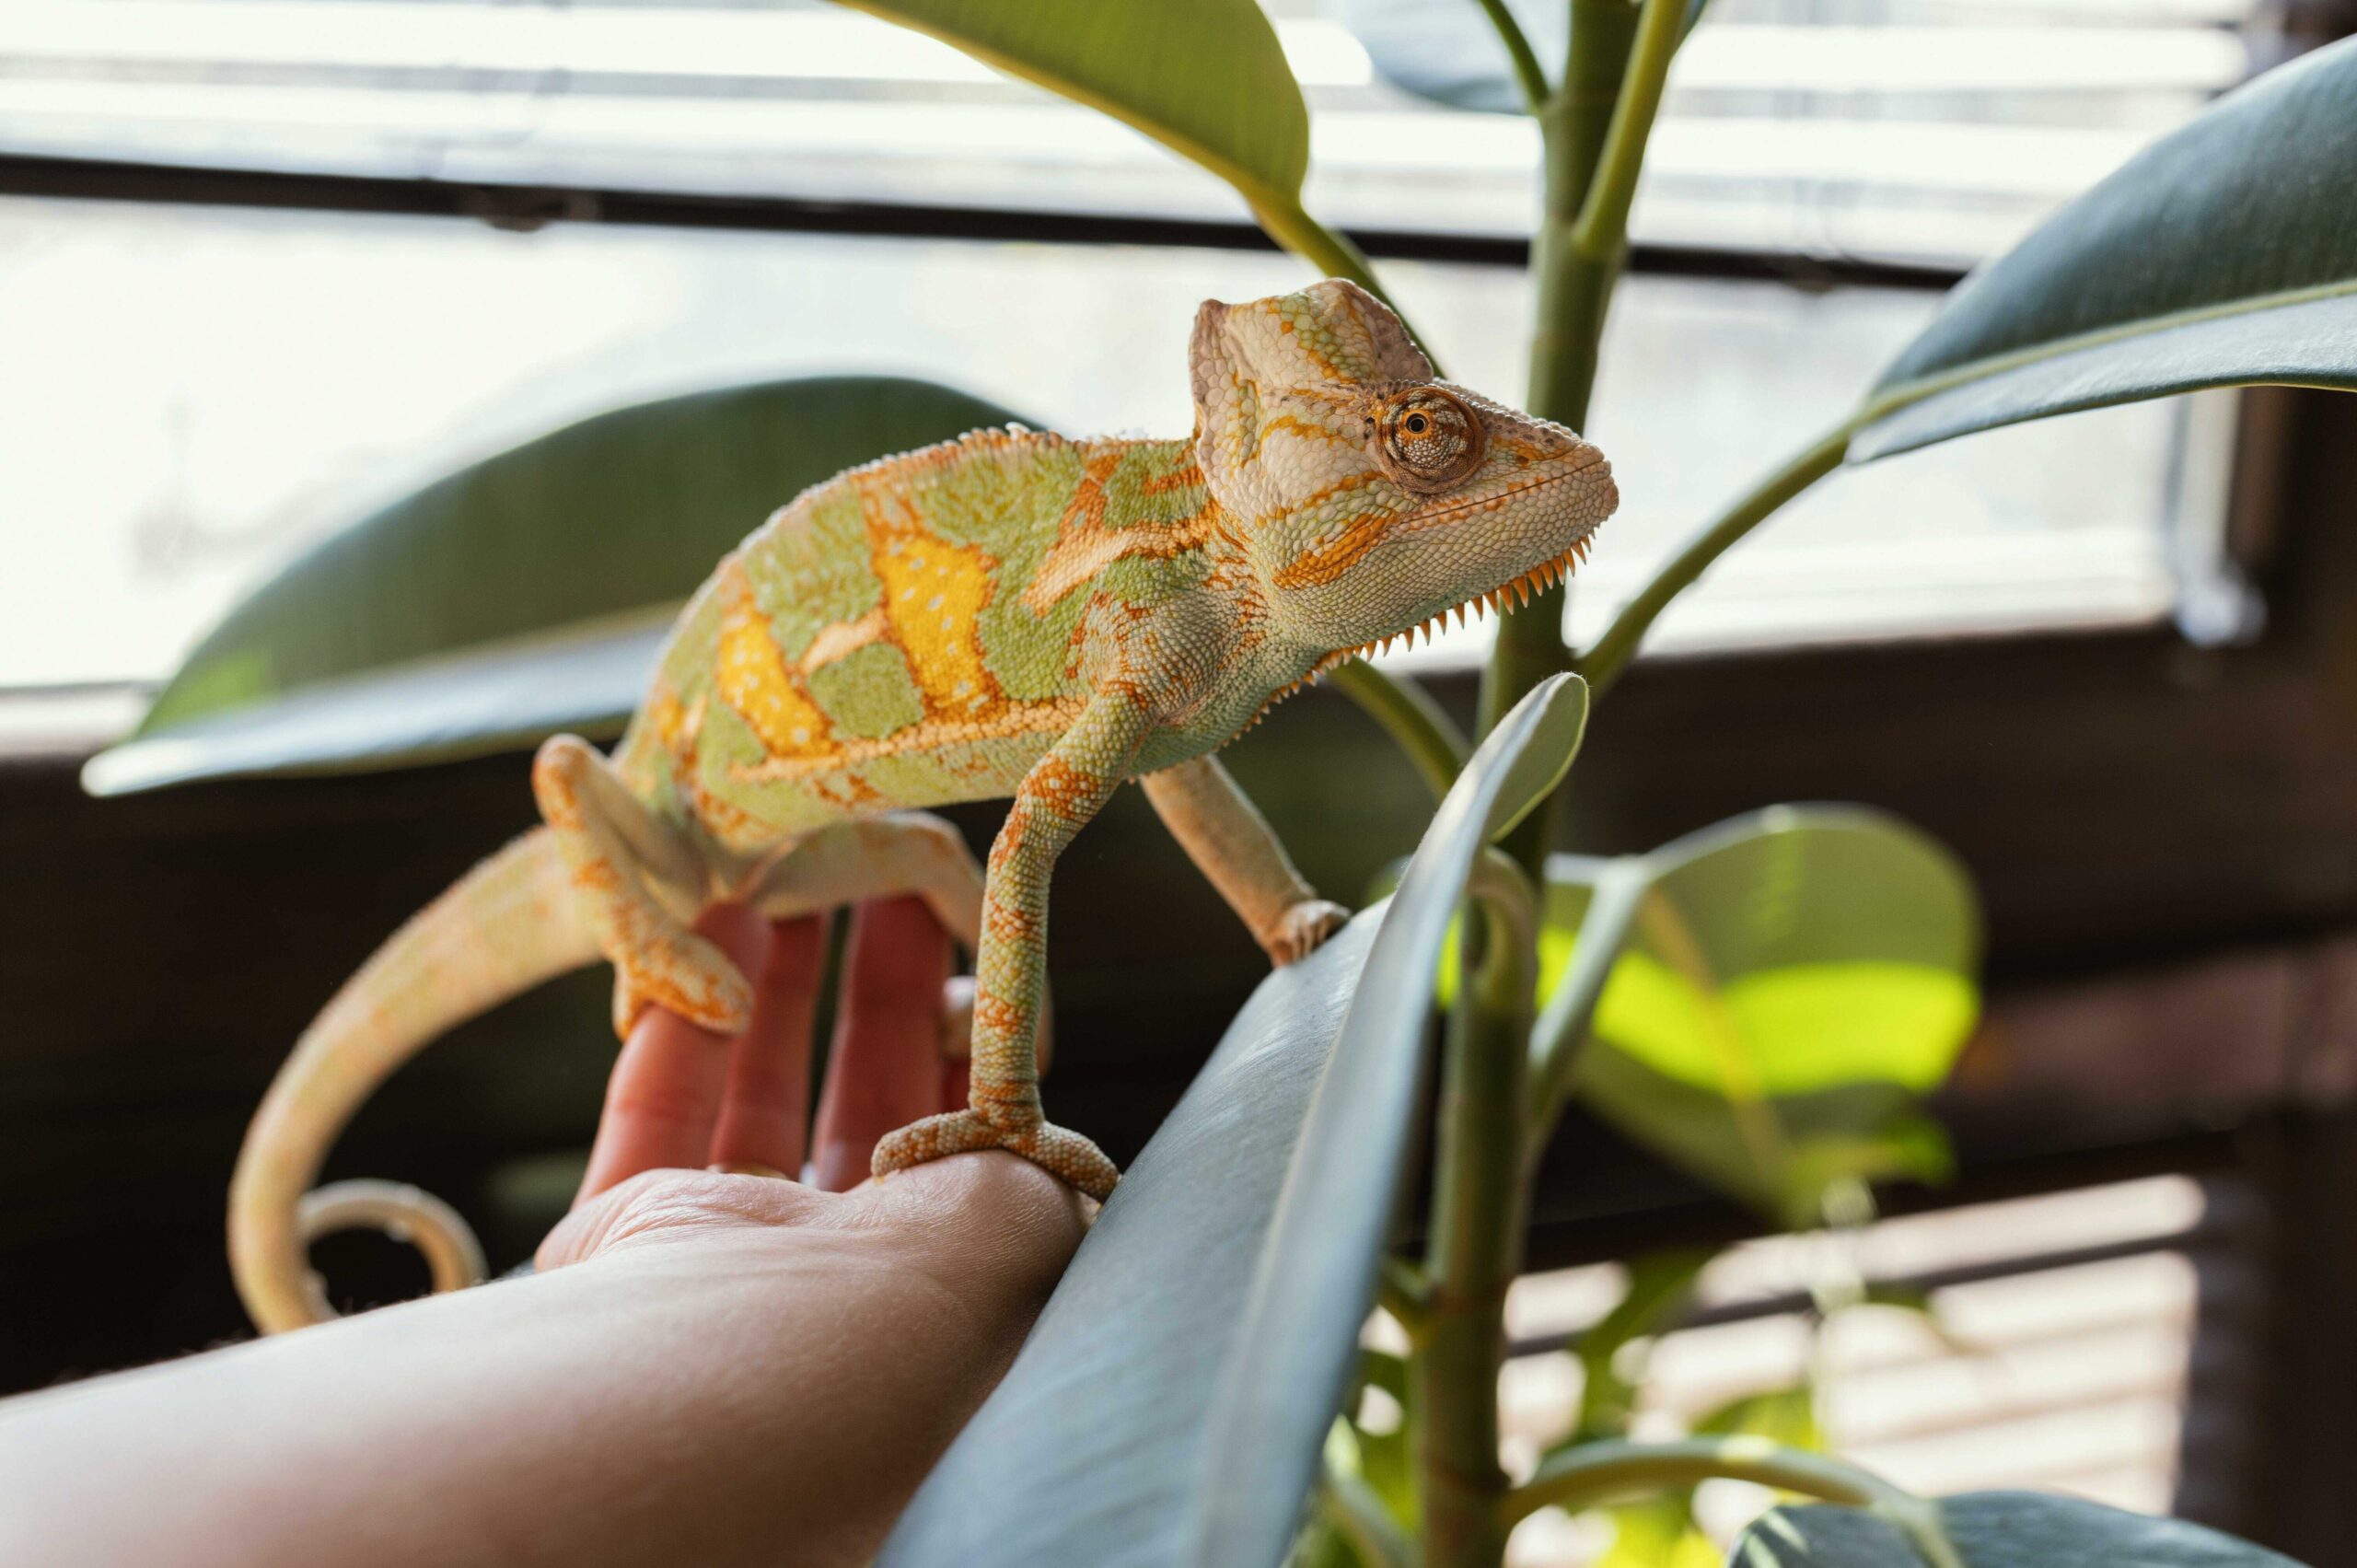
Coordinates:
(701, 1390)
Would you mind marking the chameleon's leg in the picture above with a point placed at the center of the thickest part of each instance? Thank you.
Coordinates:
(641, 882)
(881, 857)
(1231, 843)
(1059, 796)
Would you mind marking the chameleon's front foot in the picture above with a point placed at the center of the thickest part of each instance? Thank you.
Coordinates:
(1302, 930)
(1061, 1154)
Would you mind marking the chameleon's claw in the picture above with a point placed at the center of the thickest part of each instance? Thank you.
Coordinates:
(1303, 929)
(1061, 1154)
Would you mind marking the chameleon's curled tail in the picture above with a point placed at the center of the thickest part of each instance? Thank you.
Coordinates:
(501, 929)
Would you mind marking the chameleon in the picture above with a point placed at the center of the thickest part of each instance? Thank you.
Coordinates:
(1012, 614)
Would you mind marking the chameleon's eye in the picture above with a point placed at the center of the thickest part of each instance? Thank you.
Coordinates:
(1426, 440)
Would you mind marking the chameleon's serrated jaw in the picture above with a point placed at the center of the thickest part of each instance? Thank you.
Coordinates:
(1508, 596)
(1511, 595)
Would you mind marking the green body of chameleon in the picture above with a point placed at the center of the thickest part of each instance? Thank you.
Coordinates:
(1011, 614)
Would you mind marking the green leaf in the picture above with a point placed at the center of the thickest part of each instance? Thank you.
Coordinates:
(1995, 1530)
(1784, 1416)
(1386, 1460)
(1173, 1401)
(1206, 78)
(2221, 255)
(1558, 718)
(1661, 1286)
(520, 595)
(1658, 1533)
(1793, 984)
(1444, 50)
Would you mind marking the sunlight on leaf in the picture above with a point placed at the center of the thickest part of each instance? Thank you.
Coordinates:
(1794, 984)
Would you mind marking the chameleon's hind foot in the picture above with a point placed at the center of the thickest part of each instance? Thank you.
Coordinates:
(1061, 1154)
(682, 973)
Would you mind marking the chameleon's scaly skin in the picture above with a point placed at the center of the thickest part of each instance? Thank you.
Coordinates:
(1010, 614)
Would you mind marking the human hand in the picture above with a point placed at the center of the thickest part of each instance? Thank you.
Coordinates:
(709, 1367)
(683, 1102)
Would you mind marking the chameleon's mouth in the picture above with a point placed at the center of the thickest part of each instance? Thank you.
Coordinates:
(1513, 593)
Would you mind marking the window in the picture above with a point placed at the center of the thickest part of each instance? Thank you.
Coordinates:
(202, 391)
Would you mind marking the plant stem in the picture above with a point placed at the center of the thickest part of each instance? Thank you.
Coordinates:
(1608, 1471)
(1408, 714)
(1476, 1231)
(1601, 231)
(1528, 75)
(1601, 1472)
(1602, 663)
(1572, 295)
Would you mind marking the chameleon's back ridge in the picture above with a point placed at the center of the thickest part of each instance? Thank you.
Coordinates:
(1012, 614)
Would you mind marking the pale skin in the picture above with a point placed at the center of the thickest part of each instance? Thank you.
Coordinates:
(710, 1367)
(1012, 615)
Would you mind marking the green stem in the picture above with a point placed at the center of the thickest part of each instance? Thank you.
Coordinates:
(1601, 232)
(1563, 1027)
(1602, 663)
(1408, 714)
(1352, 1506)
(1609, 1471)
(1572, 295)
(1476, 1230)
(1529, 74)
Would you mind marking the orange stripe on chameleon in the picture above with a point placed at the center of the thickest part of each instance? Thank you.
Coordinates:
(1332, 559)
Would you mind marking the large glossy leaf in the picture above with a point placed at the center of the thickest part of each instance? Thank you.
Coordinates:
(1995, 1530)
(544, 568)
(2221, 255)
(584, 681)
(1172, 1402)
(1792, 985)
(1206, 78)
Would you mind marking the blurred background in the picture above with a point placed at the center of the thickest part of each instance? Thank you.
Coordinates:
(265, 264)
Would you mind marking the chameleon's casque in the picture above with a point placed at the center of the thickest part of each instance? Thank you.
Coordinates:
(1010, 614)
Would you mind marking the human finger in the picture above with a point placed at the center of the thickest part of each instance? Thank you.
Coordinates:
(765, 1103)
(663, 1097)
(886, 1070)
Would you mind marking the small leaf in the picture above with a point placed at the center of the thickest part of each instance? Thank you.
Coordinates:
(1208, 1327)
(1206, 78)
(1661, 1287)
(1446, 51)
(1995, 1530)
(2221, 255)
